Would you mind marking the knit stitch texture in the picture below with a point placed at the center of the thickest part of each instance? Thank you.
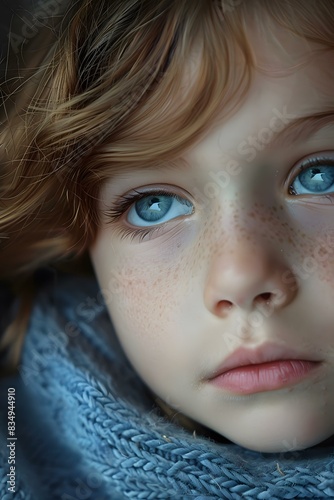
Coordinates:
(88, 429)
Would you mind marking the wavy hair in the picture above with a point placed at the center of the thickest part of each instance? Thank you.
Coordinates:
(121, 84)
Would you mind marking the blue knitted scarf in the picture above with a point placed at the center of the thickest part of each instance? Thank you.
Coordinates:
(87, 427)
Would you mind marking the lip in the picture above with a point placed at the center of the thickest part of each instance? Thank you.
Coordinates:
(267, 367)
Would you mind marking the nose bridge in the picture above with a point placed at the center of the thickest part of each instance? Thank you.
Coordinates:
(253, 233)
(248, 225)
(246, 261)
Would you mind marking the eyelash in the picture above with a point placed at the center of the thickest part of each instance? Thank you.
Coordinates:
(318, 160)
(121, 206)
(139, 234)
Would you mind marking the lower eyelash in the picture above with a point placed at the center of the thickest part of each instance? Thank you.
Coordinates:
(137, 233)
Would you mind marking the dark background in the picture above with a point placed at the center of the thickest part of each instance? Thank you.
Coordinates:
(26, 31)
(10, 13)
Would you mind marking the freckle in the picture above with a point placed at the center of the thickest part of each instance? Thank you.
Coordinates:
(322, 251)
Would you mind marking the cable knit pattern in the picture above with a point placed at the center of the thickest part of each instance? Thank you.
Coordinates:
(87, 427)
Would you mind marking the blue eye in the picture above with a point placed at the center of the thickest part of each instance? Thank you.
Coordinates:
(317, 177)
(157, 208)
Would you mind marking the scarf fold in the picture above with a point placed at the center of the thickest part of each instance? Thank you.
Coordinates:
(87, 426)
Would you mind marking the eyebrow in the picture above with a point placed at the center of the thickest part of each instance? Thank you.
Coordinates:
(301, 127)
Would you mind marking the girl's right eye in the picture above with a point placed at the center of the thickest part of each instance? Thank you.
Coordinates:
(158, 208)
(147, 209)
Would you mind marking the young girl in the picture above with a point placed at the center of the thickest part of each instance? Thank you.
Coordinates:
(187, 149)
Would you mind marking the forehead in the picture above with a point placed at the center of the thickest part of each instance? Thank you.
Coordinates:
(279, 52)
(292, 76)
(288, 65)
(289, 69)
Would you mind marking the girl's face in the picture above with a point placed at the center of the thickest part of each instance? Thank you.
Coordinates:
(235, 248)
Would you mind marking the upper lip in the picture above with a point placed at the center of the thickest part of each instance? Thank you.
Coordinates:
(265, 353)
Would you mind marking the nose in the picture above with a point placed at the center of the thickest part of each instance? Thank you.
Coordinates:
(245, 278)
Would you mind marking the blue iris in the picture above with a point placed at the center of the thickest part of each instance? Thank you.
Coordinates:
(153, 208)
(156, 208)
(317, 179)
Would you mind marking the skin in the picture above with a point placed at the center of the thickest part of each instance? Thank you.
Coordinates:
(187, 297)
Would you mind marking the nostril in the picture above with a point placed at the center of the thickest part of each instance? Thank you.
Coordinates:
(264, 298)
(224, 306)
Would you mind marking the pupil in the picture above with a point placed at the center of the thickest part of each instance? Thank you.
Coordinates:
(315, 171)
(155, 201)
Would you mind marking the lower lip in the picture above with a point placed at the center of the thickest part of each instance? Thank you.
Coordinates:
(265, 376)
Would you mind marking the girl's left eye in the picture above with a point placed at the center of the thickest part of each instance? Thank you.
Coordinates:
(150, 208)
(316, 177)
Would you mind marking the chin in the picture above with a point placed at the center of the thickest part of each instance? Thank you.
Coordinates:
(284, 443)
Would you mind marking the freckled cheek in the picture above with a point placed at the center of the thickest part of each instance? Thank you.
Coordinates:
(148, 320)
(318, 259)
(152, 310)
(315, 240)
(153, 283)
(147, 303)
(153, 290)
(140, 308)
